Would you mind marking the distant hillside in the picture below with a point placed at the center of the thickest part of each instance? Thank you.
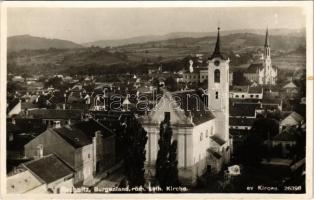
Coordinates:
(20, 42)
(241, 48)
(176, 35)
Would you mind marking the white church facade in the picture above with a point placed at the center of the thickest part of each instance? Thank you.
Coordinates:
(201, 129)
(263, 73)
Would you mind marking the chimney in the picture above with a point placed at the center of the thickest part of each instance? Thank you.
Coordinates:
(95, 147)
(40, 151)
(191, 116)
(63, 106)
(26, 112)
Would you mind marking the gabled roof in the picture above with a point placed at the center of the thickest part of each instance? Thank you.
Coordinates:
(73, 136)
(48, 168)
(290, 85)
(297, 117)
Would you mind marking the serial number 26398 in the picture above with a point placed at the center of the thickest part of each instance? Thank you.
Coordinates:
(292, 188)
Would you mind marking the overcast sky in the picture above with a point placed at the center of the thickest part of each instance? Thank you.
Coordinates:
(89, 24)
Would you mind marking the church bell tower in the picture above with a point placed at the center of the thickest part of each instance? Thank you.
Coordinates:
(218, 90)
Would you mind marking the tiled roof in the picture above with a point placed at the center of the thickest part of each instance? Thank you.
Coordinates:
(73, 136)
(56, 114)
(91, 126)
(48, 168)
(238, 88)
(243, 109)
(255, 89)
(28, 105)
(191, 102)
(240, 121)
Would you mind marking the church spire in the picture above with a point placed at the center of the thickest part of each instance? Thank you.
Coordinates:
(266, 39)
(217, 47)
(217, 52)
(266, 46)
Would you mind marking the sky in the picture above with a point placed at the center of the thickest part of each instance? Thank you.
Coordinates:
(82, 25)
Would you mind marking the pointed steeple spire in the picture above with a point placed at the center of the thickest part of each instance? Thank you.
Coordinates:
(217, 52)
(217, 47)
(266, 38)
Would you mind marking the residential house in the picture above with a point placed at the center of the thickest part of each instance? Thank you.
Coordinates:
(46, 174)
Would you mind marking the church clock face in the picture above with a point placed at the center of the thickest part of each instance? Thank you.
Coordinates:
(216, 63)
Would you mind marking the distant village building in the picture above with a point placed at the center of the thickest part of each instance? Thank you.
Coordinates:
(290, 88)
(263, 73)
(198, 73)
(291, 120)
(246, 92)
(18, 79)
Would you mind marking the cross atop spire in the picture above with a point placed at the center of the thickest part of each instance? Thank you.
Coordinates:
(266, 38)
(217, 52)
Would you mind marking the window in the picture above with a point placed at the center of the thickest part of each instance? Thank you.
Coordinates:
(201, 136)
(88, 155)
(167, 116)
(212, 131)
(216, 95)
(252, 95)
(257, 96)
(217, 76)
(242, 95)
(206, 133)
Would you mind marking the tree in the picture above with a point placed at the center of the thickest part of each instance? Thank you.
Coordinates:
(171, 84)
(166, 164)
(263, 129)
(135, 140)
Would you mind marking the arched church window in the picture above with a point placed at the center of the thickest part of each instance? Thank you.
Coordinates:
(217, 76)
(216, 95)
